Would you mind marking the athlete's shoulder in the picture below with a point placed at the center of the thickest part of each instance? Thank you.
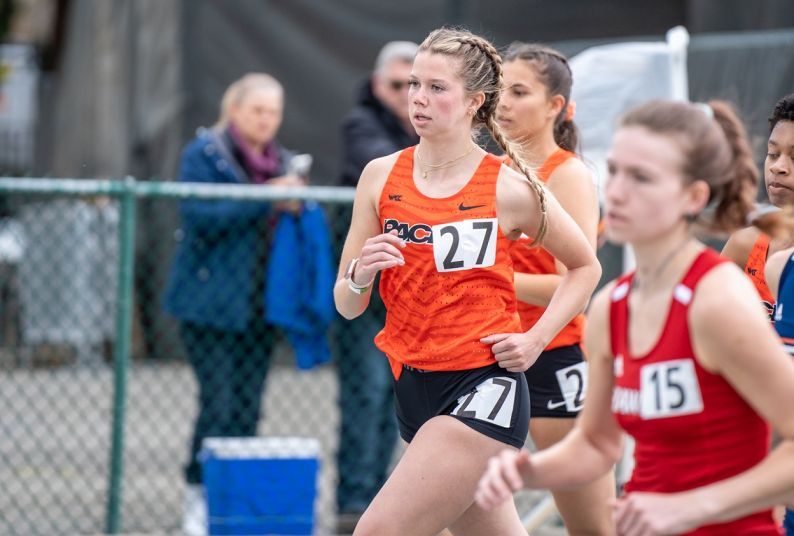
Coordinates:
(516, 202)
(725, 307)
(773, 268)
(383, 164)
(375, 173)
(571, 169)
(740, 244)
(513, 186)
(573, 186)
(724, 289)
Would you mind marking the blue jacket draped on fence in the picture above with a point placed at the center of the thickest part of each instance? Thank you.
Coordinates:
(300, 279)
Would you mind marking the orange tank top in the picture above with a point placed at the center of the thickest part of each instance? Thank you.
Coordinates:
(456, 285)
(756, 263)
(539, 261)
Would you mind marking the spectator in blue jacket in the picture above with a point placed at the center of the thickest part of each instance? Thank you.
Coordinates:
(217, 282)
(377, 126)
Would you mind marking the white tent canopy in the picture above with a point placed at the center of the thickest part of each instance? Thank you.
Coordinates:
(611, 79)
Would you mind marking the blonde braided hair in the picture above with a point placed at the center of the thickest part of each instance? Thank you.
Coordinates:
(486, 76)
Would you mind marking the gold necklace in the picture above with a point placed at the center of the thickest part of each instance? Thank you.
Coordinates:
(427, 168)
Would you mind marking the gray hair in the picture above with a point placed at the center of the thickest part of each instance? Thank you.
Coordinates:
(395, 50)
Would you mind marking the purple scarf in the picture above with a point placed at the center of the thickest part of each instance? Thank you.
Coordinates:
(260, 166)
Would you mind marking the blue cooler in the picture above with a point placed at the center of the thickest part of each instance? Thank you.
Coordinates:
(260, 485)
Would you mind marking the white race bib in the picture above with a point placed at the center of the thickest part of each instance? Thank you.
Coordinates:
(463, 245)
(669, 389)
(492, 401)
(573, 386)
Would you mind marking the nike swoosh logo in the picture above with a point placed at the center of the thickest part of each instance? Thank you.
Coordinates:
(464, 207)
(555, 405)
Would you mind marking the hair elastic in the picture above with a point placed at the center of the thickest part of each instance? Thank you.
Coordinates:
(570, 111)
(705, 108)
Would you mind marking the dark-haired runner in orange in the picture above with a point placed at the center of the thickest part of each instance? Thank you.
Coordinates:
(535, 110)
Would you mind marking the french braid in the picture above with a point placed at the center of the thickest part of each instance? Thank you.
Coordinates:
(486, 116)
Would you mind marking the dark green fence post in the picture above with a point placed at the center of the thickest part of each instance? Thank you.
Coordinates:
(121, 355)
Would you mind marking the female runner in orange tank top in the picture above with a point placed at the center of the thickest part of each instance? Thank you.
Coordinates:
(779, 178)
(694, 386)
(435, 221)
(750, 247)
(536, 112)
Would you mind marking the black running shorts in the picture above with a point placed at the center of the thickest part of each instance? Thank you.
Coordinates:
(491, 400)
(558, 383)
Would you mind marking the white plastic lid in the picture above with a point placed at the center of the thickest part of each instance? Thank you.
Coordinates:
(261, 447)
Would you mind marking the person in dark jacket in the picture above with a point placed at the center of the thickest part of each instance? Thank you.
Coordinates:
(216, 286)
(377, 126)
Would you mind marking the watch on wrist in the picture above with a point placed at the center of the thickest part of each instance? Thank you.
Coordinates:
(355, 287)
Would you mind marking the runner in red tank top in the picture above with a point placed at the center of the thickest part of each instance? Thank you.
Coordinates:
(692, 385)
(666, 393)
(536, 110)
(435, 221)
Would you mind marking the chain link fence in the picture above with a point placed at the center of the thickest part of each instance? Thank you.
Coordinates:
(101, 367)
(106, 353)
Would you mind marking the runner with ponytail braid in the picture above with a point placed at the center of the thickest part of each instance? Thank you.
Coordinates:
(436, 221)
(486, 116)
(536, 112)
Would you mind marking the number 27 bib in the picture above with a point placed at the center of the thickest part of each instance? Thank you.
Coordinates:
(464, 245)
